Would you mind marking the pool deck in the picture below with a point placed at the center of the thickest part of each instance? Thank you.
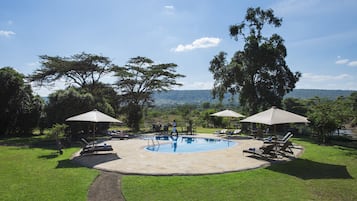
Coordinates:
(131, 157)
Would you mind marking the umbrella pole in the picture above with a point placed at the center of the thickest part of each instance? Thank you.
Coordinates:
(94, 133)
(276, 141)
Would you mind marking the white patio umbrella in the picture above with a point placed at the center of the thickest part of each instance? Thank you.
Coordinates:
(227, 113)
(274, 116)
(94, 116)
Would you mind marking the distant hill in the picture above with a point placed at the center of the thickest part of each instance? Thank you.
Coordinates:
(200, 96)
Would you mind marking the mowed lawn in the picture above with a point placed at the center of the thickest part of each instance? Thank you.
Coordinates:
(321, 173)
(41, 174)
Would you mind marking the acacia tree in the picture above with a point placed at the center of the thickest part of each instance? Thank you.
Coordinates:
(138, 80)
(80, 70)
(259, 72)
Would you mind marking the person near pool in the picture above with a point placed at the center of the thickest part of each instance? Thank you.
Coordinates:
(174, 129)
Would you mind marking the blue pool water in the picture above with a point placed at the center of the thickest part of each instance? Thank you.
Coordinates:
(187, 144)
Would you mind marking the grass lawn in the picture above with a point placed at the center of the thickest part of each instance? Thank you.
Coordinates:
(34, 173)
(322, 173)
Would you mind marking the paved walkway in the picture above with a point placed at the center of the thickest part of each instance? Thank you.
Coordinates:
(106, 187)
(131, 157)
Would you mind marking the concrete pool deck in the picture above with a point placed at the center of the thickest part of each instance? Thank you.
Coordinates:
(131, 157)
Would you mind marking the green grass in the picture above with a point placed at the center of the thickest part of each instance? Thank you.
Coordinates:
(32, 170)
(34, 173)
(206, 130)
(322, 173)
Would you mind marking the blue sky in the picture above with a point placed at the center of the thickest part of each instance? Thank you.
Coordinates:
(320, 35)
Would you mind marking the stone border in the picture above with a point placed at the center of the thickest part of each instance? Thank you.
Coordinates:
(129, 157)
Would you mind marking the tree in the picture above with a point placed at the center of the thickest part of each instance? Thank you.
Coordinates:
(259, 72)
(353, 102)
(69, 102)
(83, 70)
(138, 80)
(327, 116)
(19, 109)
(296, 106)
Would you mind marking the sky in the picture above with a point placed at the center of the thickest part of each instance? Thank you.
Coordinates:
(320, 35)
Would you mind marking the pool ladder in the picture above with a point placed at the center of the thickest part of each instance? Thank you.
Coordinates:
(153, 144)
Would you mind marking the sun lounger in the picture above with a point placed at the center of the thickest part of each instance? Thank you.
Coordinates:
(93, 147)
(271, 139)
(264, 151)
(286, 147)
(120, 135)
(235, 132)
(223, 131)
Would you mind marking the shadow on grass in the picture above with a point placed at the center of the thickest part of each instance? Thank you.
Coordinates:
(49, 156)
(67, 163)
(307, 169)
(91, 160)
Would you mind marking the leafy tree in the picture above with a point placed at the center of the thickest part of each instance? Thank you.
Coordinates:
(296, 106)
(72, 101)
(81, 70)
(66, 103)
(327, 116)
(353, 101)
(19, 109)
(259, 72)
(138, 80)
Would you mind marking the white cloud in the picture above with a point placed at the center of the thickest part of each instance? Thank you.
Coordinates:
(33, 64)
(352, 63)
(169, 10)
(335, 82)
(324, 78)
(169, 7)
(200, 85)
(205, 42)
(196, 85)
(342, 61)
(346, 61)
(6, 33)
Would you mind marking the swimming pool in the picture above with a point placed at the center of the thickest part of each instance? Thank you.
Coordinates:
(181, 144)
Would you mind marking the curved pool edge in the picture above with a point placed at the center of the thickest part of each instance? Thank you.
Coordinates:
(129, 158)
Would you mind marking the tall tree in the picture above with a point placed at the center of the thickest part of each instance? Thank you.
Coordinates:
(19, 109)
(83, 71)
(80, 70)
(138, 80)
(259, 72)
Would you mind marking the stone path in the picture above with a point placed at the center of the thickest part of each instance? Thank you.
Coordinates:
(106, 187)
